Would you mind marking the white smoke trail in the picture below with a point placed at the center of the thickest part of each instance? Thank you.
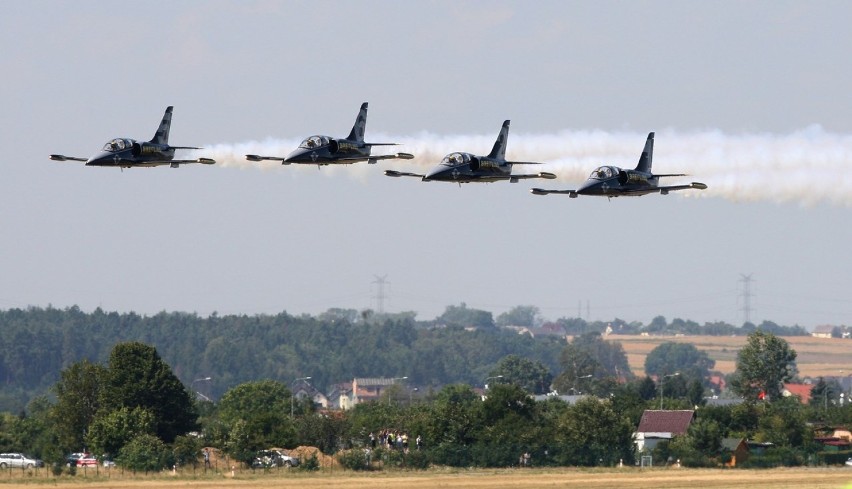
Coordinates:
(807, 166)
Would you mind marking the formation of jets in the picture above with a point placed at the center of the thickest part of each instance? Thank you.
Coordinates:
(458, 167)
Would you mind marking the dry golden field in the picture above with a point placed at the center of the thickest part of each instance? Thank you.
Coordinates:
(834, 478)
(816, 356)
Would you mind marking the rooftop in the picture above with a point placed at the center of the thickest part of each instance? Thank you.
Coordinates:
(675, 422)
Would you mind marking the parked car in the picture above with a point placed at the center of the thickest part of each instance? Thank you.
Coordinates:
(273, 458)
(18, 460)
(81, 459)
(849, 461)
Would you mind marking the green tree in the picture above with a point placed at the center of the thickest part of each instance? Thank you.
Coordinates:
(110, 431)
(137, 377)
(531, 376)
(186, 450)
(465, 317)
(825, 394)
(670, 357)
(145, 453)
(453, 420)
(257, 416)
(526, 316)
(783, 423)
(591, 433)
(763, 365)
(589, 363)
(78, 395)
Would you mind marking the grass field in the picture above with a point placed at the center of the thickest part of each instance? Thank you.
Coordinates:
(631, 478)
(816, 356)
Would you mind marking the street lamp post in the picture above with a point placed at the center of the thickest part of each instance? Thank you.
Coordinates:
(489, 378)
(662, 379)
(574, 386)
(202, 379)
(292, 395)
(393, 381)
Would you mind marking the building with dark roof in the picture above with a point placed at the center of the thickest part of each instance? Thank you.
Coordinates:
(661, 425)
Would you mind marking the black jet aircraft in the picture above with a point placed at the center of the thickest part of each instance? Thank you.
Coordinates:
(611, 181)
(129, 153)
(465, 167)
(326, 150)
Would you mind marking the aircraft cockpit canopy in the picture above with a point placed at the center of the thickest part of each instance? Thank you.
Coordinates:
(454, 159)
(314, 142)
(118, 144)
(603, 172)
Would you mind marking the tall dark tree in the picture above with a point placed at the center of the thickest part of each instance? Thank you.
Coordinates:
(78, 398)
(465, 317)
(526, 316)
(591, 433)
(825, 394)
(257, 415)
(590, 363)
(137, 377)
(670, 357)
(763, 365)
(531, 376)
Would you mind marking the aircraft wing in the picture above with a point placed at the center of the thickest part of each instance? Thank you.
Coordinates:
(67, 158)
(171, 163)
(523, 163)
(264, 158)
(670, 188)
(203, 161)
(392, 173)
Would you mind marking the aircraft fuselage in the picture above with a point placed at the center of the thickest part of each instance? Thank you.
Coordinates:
(126, 153)
(612, 181)
(325, 150)
(465, 167)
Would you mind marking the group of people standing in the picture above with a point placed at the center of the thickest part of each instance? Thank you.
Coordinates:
(393, 440)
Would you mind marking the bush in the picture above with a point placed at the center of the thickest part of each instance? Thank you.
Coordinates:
(416, 459)
(145, 453)
(186, 450)
(355, 459)
(775, 457)
(452, 455)
(310, 464)
(834, 458)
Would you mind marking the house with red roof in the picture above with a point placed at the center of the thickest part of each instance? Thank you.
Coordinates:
(802, 391)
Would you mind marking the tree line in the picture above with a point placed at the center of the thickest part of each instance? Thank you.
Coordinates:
(134, 408)
(462, 345)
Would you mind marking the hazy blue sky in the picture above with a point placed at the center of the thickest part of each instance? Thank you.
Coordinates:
(753, 98)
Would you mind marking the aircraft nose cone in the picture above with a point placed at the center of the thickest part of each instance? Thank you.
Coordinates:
(101, 159)
(592, 188)
(435, 174)
(297, 156)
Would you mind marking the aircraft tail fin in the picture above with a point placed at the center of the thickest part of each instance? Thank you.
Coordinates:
(499, 149)
(162, 134)
(647, 155)
(357, 133)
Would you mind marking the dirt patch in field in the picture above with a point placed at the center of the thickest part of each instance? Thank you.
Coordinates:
(304, 453)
